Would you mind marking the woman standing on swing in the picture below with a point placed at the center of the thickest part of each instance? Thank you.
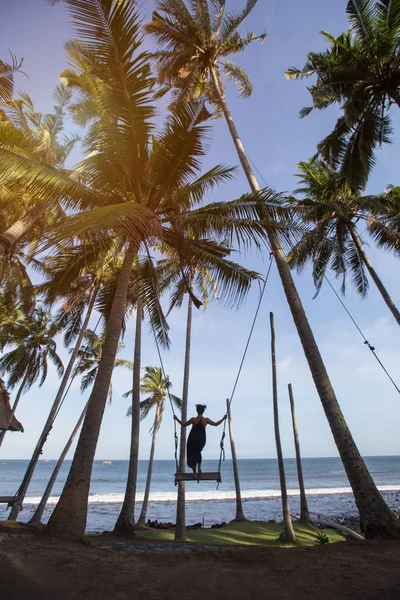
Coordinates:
(197, 437)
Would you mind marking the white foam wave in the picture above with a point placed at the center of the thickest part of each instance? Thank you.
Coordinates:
(213, 495)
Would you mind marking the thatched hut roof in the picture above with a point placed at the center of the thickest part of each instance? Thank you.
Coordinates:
(5, 412)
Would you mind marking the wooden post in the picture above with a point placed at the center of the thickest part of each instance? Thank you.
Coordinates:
(288, 531)
(239, 508)
(304, 512)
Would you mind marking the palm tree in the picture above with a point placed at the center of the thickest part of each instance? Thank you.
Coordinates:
(195, 45)
(76, 276)
(28, 360)
(331, 208)
(360, 72)
(131, 175)
(37, 515)
(7, 72)
(90, 355)
(40, 137)
(187, 271)
(158, 386)
(304, 512)
(287, 534)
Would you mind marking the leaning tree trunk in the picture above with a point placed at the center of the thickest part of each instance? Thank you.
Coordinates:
(304, 512)
(126, 520)
(37, 515)
(19, 228)
(52, 414)
(143, 513)
(69, 516)
(239, 516)
(15, 405)
(180, 528)
(287, 534)
(376, 518)
(374, 275)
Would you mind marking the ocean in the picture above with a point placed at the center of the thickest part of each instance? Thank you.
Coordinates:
(327, 488)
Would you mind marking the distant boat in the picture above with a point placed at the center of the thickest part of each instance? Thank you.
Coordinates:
(107, 462)
(46, 460)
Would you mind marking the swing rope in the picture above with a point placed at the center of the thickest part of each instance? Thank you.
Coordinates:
(222, 448)
(366, 342)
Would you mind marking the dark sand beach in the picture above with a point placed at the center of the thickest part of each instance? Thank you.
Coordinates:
(36, 566)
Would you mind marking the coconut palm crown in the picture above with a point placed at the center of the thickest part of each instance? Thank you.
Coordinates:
(331, 208)
(197, 39)
(360, 71)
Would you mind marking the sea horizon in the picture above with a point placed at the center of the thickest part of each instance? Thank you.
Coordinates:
(327, 488)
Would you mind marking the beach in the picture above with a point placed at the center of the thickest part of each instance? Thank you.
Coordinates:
(37, 566)
(327, 488)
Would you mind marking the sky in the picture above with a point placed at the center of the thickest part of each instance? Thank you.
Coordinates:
(276, 140)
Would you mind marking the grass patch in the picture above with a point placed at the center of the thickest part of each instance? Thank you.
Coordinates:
(247, 533)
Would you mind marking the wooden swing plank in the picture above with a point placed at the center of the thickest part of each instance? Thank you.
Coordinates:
(212, 476)
(6, 499)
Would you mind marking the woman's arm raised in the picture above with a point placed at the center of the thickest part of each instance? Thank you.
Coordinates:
(216, 423)
(182, 423)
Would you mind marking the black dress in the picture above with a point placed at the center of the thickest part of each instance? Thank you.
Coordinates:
(195, 444)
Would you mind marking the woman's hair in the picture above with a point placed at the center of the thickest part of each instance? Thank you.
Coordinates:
(200, 408)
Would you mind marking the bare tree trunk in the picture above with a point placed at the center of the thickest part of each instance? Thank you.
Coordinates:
(126, 520)
(287, 534)
(69, 516)
(376, 517)
(304, 512)
(15, 405)
(239, 507)
(142, 519)
(374, 275)
(19, 228)
(180, 529)
(52, 414)
(38, 514)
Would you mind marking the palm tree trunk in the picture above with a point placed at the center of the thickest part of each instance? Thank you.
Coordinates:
(53, 411)
(15, 405)
(376, 517)
(304, 512)
(142, 519)
(69, 516)
(19, 228)
(37, 515)
(126, 519)
(180, 528)
(287, 534)
(374, 275)
(239, 507)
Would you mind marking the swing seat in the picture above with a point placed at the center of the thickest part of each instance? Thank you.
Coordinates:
(212, 476)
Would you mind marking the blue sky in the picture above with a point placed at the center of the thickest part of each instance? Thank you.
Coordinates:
(276, 140)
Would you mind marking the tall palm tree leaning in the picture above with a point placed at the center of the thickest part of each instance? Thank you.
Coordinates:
(331, 208)
(89, 294)
(195, 43)
(87, 367)
(153, 383)
(130, 178)
(359, 72)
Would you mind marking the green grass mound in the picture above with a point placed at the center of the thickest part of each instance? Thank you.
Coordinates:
(247, 533)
